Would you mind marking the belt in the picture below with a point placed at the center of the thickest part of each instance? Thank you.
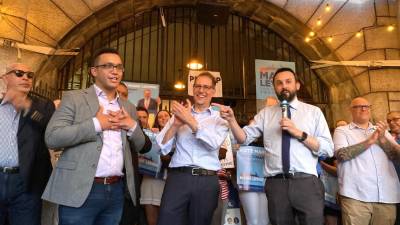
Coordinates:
(107, 180)
(291, 175)
(195, 171)
(9, 169)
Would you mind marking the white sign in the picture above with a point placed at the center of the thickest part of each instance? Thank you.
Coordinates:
(228, 161)
(192, 75)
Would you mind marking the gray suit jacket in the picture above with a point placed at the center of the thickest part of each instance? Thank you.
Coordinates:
(71, 128)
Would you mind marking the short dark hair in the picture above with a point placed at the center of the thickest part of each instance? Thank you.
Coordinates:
(97, 53)
(156, 124)
(284, 69)
(206, 74)
(140, 108)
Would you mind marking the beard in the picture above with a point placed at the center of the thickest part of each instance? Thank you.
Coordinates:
(286, 95)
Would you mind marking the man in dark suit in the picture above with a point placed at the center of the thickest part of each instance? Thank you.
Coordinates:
(96, 131)
(148, 103)
(24, 159)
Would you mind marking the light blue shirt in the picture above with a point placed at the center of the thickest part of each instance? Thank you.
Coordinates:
(198, 149)
(370, 176)
(307, 118)
(9, 121)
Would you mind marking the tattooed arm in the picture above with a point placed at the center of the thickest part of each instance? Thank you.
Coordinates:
(350, 152)
(391, 149)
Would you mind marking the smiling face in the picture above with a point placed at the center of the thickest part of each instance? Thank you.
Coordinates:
(393, 119)
(203, 91)
(162, 118)
(286, 86)
(107, 79)
(20, 84)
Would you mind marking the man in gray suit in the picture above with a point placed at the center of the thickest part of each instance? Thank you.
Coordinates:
(97, 132)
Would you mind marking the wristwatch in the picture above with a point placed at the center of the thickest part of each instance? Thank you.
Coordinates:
(303, 137)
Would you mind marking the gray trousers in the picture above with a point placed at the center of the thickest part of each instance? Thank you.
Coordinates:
(295, 199)
(188, 199)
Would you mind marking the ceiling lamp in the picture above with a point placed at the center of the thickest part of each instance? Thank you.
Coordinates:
(307, 39)
(330, 39)
(319, 22)
(311, 34)
(194, 64)
(359, 34)
(179, 85)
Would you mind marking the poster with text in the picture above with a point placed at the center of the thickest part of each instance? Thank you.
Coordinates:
(192, 75)
(150, 162)
(250, 168)
(265, 70)
(228, 161)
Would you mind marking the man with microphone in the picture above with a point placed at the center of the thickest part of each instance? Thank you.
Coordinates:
(295, 134)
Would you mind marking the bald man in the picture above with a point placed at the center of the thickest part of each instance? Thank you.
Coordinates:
(24, 159)
(368, 183)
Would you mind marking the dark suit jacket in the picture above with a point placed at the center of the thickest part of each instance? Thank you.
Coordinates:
(34, 157)
(153, 106)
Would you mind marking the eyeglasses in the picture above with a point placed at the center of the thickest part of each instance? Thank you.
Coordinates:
(205, 87)
(20, 73)
(363, 107)
(395, 119)
(110, 66)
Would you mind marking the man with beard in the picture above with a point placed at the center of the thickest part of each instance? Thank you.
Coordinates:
(292, 145)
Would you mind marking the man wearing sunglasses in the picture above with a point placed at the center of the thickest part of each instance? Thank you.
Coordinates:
(24, 159)
(97, 131)
(368, 183)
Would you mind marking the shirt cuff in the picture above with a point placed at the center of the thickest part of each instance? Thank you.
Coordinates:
(97, 126)
(130, 131)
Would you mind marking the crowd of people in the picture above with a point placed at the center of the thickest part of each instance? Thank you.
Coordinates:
(310, 177)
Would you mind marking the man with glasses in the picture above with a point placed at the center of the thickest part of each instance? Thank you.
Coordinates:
(393, 119)
(368, 184)
(24, 159)
(292, 141)
(191, 190)
(96, 131)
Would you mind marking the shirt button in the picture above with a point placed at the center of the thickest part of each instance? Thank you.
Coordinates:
(94, 166)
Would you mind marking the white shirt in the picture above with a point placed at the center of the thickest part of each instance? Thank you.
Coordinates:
(307, 118)
(370, 176)
(198, 149)
(111, 160)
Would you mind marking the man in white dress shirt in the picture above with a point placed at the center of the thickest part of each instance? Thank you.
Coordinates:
(368, 182)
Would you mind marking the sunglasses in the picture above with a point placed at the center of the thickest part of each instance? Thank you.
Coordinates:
(20, 73)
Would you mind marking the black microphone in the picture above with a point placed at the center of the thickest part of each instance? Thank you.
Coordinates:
(285, 107)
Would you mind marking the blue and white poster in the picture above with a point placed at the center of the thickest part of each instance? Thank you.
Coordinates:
(150, 162)
(250, 168)
(233, 215)
(265, 70)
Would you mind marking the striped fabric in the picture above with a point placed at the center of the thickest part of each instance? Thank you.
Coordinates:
(223, 184)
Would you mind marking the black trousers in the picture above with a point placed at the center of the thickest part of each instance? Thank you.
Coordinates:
(295, 201)
(188, 199)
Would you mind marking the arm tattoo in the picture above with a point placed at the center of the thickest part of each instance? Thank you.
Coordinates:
(350, 152)
(388, 149)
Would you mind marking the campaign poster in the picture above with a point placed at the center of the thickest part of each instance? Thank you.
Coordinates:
(150, 162)
(192, 75)
(250, 168)
(228, 162)
(265, 70)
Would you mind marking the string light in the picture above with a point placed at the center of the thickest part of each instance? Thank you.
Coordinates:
(327, 8)
(358, 34)
(307, 39)
(319, 22)
(330, 39)
(311, 34)
(390, 28)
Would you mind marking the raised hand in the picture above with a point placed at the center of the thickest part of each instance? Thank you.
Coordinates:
(182, 112)
(226, 112)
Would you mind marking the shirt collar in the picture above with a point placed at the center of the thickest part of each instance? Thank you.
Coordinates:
(208, 110)
(352, 125)
(294, 104)
(100, 93)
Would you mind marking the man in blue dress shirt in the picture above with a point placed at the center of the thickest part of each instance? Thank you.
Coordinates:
(293, 145)
(191, 190)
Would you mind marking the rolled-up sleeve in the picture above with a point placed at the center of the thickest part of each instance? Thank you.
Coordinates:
(254, 130)
(323, 136)
(213, 136)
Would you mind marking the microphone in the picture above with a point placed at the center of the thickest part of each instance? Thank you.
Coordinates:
(285, 107)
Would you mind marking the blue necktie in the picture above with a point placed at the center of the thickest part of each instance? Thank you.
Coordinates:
(286, 148)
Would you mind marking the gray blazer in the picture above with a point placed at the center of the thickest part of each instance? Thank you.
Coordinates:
(71, 128)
